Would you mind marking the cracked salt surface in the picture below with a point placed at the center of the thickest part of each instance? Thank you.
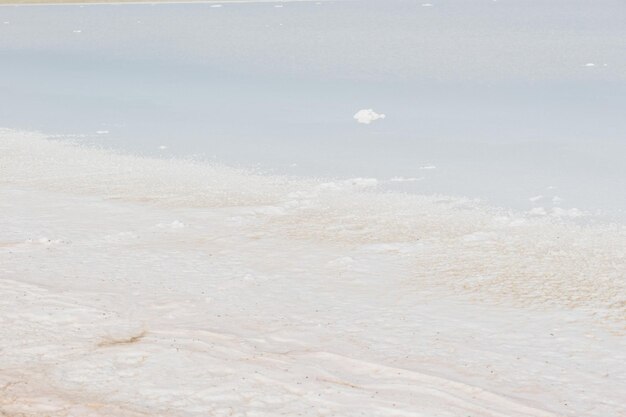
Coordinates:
(175, 288)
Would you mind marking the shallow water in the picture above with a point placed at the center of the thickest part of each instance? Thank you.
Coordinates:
(498, 97)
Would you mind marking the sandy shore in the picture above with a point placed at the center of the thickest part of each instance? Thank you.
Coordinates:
(144, 287)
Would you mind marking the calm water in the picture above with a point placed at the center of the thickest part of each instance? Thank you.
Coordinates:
(508, 100)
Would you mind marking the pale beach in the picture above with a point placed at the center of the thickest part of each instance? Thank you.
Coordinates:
(354, 208)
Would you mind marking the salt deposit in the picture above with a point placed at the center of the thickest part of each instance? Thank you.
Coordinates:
(404, 179)
(367, 116)
(134, 286)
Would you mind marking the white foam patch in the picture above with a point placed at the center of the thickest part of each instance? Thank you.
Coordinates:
(405, 179)
(558, 212)
(367, 116)
(350, 184)
(571, 212)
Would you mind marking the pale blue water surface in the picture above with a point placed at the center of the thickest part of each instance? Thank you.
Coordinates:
(508, 99)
